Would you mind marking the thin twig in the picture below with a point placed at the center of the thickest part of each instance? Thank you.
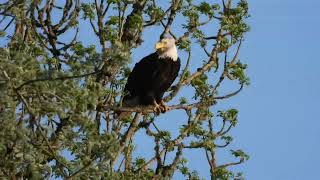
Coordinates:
(231, 94)
(81, 169)
(171, 18)
(129, 133)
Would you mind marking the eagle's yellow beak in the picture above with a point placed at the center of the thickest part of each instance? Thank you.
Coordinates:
(160, 45)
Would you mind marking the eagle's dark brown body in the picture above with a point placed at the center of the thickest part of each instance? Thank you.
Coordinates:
(150, 79)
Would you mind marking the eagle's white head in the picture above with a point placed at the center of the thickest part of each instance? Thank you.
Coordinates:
(166, 48)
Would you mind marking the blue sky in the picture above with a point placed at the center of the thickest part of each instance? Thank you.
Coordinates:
(279, 125)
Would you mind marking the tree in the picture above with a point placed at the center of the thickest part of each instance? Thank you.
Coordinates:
(59, 97)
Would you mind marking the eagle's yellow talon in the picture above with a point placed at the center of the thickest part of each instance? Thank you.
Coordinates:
(164, 108)
(157, 108)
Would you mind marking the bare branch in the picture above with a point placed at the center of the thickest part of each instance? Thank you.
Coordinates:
(229, 164)
(231, 94)
(8, 25)
(235, 58)
(171, 18)
(128, 135)
(106, 10)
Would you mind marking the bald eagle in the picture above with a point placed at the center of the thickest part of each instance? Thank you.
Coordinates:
(152, 77)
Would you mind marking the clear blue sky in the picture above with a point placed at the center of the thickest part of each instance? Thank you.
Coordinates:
(279, 123)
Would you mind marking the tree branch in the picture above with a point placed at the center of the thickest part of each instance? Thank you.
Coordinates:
(231, 94)
(128, 135)
(56, 79)
(171, 18)
(149, 109)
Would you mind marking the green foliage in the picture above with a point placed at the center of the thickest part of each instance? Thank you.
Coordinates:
(113, 20)
(155, 14)
(183, 100)
(223, 174)
(193, 175)
(230, 115)
(206, 9)
(240, 154)
(238, 72)
(234, 20)
(135, 21)
(88, 10)
(192, 14)
(202, 87)
(227, 139)
(184, 44)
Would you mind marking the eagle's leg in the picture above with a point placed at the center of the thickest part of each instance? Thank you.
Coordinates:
(164, 107)
(157, 108)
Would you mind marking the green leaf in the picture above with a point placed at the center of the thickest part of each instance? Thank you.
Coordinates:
(205, 8)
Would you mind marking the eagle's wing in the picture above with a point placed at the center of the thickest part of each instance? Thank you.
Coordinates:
(165, 80)
(141, 78)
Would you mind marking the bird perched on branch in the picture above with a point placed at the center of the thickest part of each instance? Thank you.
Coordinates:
(152, 77)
